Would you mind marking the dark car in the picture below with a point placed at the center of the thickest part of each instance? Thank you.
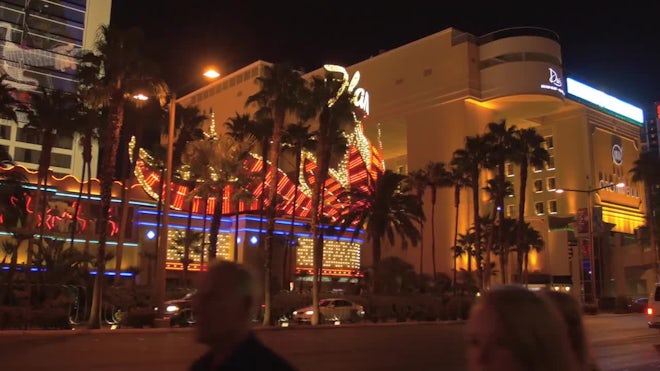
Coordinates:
(179, 311)
(639, 305)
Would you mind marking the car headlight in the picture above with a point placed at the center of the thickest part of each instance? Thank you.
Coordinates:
(295, 312)
(172, 308)
(309, 312)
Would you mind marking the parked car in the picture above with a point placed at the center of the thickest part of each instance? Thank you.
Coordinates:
(331, 310)
(638, 305)
(653, 309)
(179, 311)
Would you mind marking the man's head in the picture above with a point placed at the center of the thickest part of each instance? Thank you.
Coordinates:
(223, 303)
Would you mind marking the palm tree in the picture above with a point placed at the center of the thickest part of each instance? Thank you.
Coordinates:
(528, 150)
(646, 169)
(384, 210)
(437, 176)
(218, 163)
(334, 114)
(296, 138)
(183, 243)
(532, 240)
(109, 79)
(418, 180)
(459, 180)
(471, 160)
(281, 92)
(13, 206)
(8, 102)
(52, 114)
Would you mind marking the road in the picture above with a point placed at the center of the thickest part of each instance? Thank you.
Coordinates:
(620, 342)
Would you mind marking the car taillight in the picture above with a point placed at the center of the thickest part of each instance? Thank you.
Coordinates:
(649, 311)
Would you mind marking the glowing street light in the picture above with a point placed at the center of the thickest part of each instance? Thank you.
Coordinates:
(140, 97)
(211, 73)
(592, 257)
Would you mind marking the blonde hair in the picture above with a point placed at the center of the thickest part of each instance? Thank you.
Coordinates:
(532, 328)
(569, 308)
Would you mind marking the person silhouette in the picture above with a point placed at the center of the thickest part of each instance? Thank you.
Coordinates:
(223, 307)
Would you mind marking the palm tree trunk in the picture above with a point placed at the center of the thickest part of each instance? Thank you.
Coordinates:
(76, 209)
(526, 271)
(503, 263)
(236, 216)
(289, 244)
(44, 164)
(204, 214)
(123, 219)
(651, 224)
(421, 248)
(88, 233)
(188, 242)
(477, 229)
(215, 224)
(520, 234)
(433, 200)
(317, 253)
(108, 173)
(457, 201)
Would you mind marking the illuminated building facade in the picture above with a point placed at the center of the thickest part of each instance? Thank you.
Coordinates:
(40, 44)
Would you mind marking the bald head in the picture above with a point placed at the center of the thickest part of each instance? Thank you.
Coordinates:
(224, 301)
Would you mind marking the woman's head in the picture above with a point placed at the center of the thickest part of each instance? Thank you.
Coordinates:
(511, 328)
(569, 308)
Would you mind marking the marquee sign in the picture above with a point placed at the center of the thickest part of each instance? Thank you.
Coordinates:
(360, 95)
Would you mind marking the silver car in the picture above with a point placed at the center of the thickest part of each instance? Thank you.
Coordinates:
(331, 310)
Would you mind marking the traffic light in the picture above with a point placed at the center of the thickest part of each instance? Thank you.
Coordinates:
(570, 253)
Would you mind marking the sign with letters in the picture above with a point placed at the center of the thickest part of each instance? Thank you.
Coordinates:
(554, 82)
(617, 154)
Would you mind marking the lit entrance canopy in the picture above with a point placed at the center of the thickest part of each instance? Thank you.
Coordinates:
(603, 100)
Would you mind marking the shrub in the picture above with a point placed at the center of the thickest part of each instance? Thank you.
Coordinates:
(458, 307)
(14, 318)
(607, 304)
(51, 319)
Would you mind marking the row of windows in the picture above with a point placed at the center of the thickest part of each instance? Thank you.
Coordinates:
(539, 208)
(248, 75)
(550, 185)
(32, 156)
(511, 171)
(519, 57)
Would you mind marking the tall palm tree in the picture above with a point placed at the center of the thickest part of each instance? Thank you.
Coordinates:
(528, 151)
(459, 180)
(418, 180)
(500, 139)
(281, 92)
(296, 138)
(646, 169)
(8, 102)
(334, 113)
(109, 79)
(386, 209)
(438, 177)
(470, 158)
(51, 114)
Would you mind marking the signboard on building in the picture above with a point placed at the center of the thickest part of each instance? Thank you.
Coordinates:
(582, 217)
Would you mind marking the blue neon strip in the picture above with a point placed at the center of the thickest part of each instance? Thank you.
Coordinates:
(150, 224)
(300, 234)
(123, 274)
(184, 216)
(128, 244)
(35, 187)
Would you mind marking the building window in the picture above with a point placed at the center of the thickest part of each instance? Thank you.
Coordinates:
(538, 207)
(550, 165)
(511, 211)
(552, 207)
(538, 185)
(27, 155)
(508, 168)
(552, 185)
(5, 132)
(60, 160)
(537, 169)
(26, 135)
(549, 143)
(65, 142)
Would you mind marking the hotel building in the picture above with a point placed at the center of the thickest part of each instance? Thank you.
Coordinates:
(40, 42)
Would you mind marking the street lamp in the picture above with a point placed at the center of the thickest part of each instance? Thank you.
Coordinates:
(161, 256)
(592, 256)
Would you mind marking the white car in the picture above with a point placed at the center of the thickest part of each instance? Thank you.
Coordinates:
(332, 310)
(653, 308)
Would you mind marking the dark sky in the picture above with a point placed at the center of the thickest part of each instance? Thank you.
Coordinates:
(616, 49)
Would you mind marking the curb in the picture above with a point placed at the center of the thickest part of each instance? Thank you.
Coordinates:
(168, 330)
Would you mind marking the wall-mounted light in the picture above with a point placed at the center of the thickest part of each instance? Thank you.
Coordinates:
(254, 240)
(151, 234)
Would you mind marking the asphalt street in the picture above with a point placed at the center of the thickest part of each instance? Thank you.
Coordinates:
(620, 342)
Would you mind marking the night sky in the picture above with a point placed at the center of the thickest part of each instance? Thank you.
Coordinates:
(615, 49)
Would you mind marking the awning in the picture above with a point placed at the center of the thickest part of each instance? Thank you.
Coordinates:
(560, 222)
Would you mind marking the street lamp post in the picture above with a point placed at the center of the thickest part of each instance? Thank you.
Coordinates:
(592, 254)
(161, 251)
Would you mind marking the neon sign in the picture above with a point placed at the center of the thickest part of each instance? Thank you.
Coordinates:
(360, 96)
(555, 82)
(605, 101)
